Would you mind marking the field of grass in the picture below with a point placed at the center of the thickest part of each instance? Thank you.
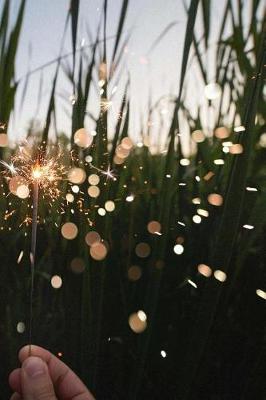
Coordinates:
(168, 301)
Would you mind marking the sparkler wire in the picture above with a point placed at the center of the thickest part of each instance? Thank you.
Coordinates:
(33, 254)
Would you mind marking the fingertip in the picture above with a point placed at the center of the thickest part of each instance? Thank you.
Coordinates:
(32, 350)
(14, 380)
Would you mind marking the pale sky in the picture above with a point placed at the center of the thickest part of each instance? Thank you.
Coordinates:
(157, 74)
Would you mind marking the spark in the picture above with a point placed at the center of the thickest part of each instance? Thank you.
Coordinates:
(109, 173)
(20, 256)
(35, 165)
(192, 283)
(10, 167)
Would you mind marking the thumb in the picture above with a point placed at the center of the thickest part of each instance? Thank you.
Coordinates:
(36, 383)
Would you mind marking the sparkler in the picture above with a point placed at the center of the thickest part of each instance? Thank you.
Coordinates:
(37, 170)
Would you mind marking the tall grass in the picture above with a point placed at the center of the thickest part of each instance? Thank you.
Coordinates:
(88, 317)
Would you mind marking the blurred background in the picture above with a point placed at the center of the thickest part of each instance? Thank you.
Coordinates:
(150, 274)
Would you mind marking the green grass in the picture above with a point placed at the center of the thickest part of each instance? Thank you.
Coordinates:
(190, 323)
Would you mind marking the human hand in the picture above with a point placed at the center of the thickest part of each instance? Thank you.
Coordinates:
(43, 376)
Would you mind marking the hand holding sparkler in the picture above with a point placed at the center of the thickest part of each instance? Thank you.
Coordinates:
(44, 375)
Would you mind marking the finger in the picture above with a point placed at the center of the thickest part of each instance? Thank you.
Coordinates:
(36, 382)
(15, 396)
(66, 382)
(14, 380)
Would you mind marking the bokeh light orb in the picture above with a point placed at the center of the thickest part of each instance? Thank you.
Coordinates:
(236, 149)
(21, 327)
(77, 265)
(127, 143)
(178, 249)
(154, 227)
(198, 136)
(94, 179)
(76, 175)
(23, 191)
(134, 273)
(220, 275)
(137, 324)
(15, 182)
(98, 251)
(82, 138)
(118, 160)
(121, 152)
(215, 199)
(261, 293)
(101, 212)
(56, 281)
(69, 231)
(70, 198)
(204, 270)
(94, 191)
(143, 250)
(222, 132)
(92, 238)
(3, 140)
(109, 206)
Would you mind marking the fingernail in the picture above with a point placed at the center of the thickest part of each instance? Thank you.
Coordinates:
(34, 366)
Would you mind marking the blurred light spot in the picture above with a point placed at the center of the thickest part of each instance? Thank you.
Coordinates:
(88, 159)
(221, 132)
(192, 283)
(134, 273)
(204, 270)
(143, 250)
(184, 162)
(98, 251)
(3, 140)
(130, 198)
(218, 161)
(236, 148)
(219, 275)
(247, 226)
(196, 219)
(76, 175)
(202, 212)
(196, 200)
(69, 231)
(154, 227)
(82, 138)
(23, 191)
(178, 249)
(163, 353)
(92, 238)
(109, 206)
(127, 143)
(240, 128)
(94, 179)
(261, 293)
(209, 175)
(70, 198)
(94, 191)
(198, 136)
(262, 141)
(101, 212)
(75, 189)
(215, 199)
(142, 316)
(21, 327)
(136, 324)
(251, 189)
(56, 281)
(77, 265)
